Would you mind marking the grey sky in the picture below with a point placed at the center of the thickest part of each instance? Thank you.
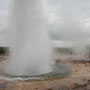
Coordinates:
(4, 4)
(55, 10)
(4, 7)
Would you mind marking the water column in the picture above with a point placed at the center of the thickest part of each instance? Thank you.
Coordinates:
(30, 49)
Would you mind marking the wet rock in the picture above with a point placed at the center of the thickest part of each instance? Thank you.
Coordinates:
(3, 85)
(61, 88)
(50, 89)
(79, 88)
(76, 86)
(88, 87)
(88, 81)
(37, 88)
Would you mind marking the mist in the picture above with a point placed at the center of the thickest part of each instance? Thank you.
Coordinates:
(70, 21)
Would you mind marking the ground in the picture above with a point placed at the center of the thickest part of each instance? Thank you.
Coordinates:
(79, 79)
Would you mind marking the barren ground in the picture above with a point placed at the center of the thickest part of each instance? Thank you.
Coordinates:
(78, 80)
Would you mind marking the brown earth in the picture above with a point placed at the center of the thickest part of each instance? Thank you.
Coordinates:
(78, 80)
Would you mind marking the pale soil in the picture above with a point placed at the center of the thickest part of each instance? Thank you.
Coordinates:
(78, 80)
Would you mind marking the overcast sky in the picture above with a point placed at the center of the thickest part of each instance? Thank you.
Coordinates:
(55, 11)
(4, 4)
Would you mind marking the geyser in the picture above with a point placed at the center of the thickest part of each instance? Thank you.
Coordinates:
(30, 49)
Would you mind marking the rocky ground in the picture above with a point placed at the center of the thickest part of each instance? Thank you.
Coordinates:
(78, 80)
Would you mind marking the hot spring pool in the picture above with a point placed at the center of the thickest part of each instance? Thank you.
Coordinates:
(59, 71)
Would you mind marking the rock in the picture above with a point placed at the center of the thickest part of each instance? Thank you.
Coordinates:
(61, 88)
(88, 87)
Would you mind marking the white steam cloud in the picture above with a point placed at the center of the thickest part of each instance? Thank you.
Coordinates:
(71, 20)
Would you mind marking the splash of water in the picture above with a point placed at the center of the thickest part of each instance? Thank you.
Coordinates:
(28, 40)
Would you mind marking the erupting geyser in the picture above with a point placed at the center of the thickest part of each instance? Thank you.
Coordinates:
(30, 49)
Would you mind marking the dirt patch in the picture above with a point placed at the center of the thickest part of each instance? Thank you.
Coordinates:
(78, 80)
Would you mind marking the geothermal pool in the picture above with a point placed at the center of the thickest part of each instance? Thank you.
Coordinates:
(59, 71)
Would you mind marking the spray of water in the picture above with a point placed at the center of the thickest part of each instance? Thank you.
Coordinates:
(30, 49)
